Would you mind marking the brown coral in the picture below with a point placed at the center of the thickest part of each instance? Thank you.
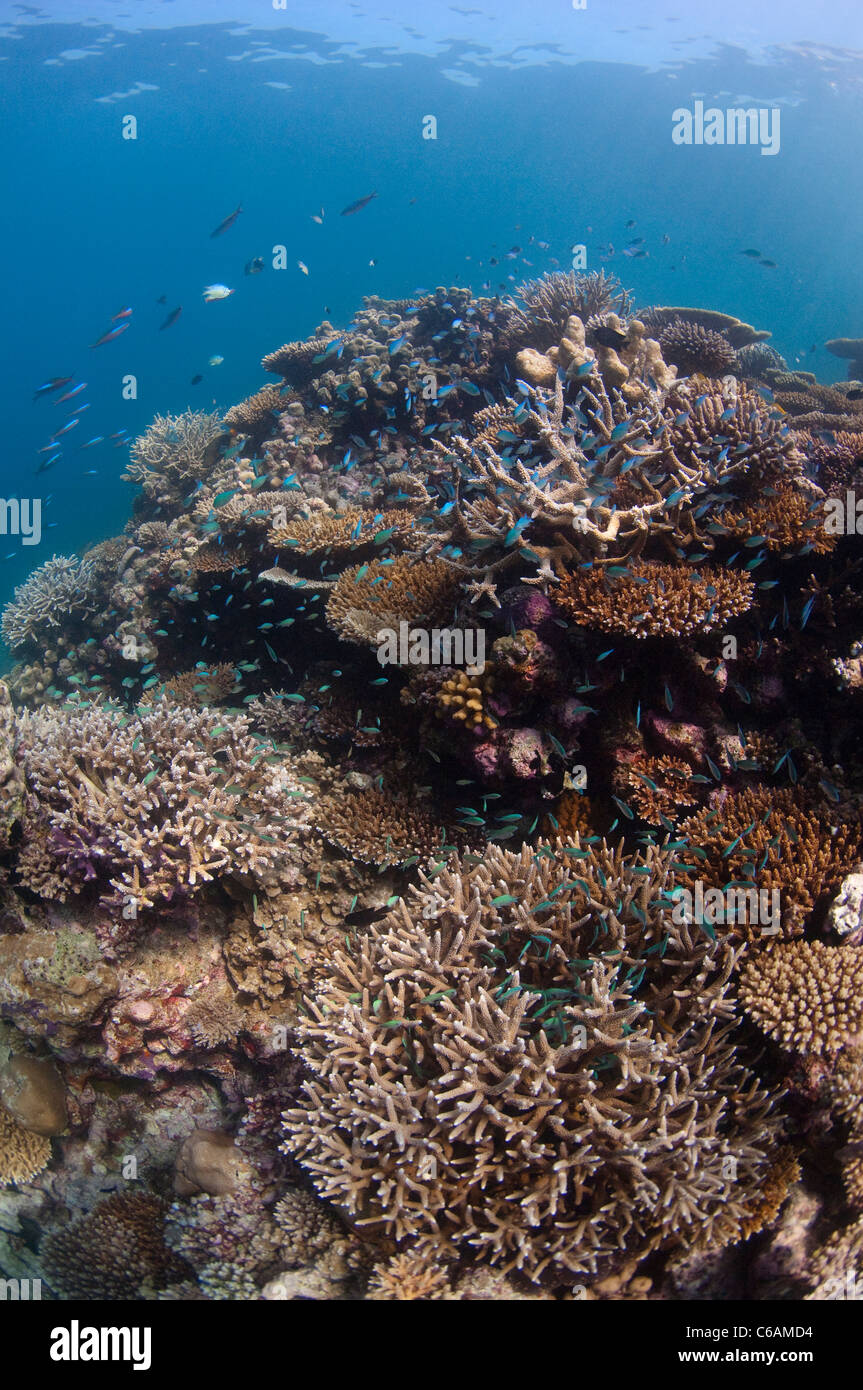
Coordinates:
(785, 520)
(338, 533)
(778, 840)
(295, 362)
(377, 826)
(381, 594)
(197, 688)
(693, 348)
(114, 1252)
(655, 600)
(154, 805)
(504, 1063)
(807, 996)
(256, 415)
(463, 698)
(658, 786)
(411, 1277)
(23, 1154)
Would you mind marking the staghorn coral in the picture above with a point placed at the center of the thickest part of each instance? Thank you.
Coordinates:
(381, 594)
(23, 1153)
(176, 447)
(154, 805)
(61, 587)
(576, 447)
(479, 1077)
(115, 1251)
(807, 996)
(411, 1277)
(655, 600)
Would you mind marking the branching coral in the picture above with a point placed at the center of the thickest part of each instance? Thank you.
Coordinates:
(785, 519)
(115, 1251)
(549, 301)
(153, 805)
(23, 1154)
(378, 827)
(515, 1063)
(778, 840)
(340, 533)
(381, 594)
(807, 995)
(413, 1276)
(463, 698)
(176, 447)
(295, 362)
(62, 587)
(655, 600)
(256, 415)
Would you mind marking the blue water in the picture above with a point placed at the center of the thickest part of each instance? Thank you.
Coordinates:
(533, 145)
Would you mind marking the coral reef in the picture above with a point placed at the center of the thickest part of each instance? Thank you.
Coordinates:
(390, 964)
(495, 1082)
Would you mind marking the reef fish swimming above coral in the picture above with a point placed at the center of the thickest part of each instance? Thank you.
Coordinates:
(403, 969)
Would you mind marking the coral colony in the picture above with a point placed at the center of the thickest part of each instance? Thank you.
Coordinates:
(432, 830)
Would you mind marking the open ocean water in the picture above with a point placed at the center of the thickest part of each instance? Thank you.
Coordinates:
(553, 125)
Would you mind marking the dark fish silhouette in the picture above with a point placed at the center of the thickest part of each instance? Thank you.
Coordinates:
(172, 317)
(254, 267)
(228, 222)
(196, 379)
(753, 255)
(163, 299)
(53, 385)
(355, 207)
(771, 264)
